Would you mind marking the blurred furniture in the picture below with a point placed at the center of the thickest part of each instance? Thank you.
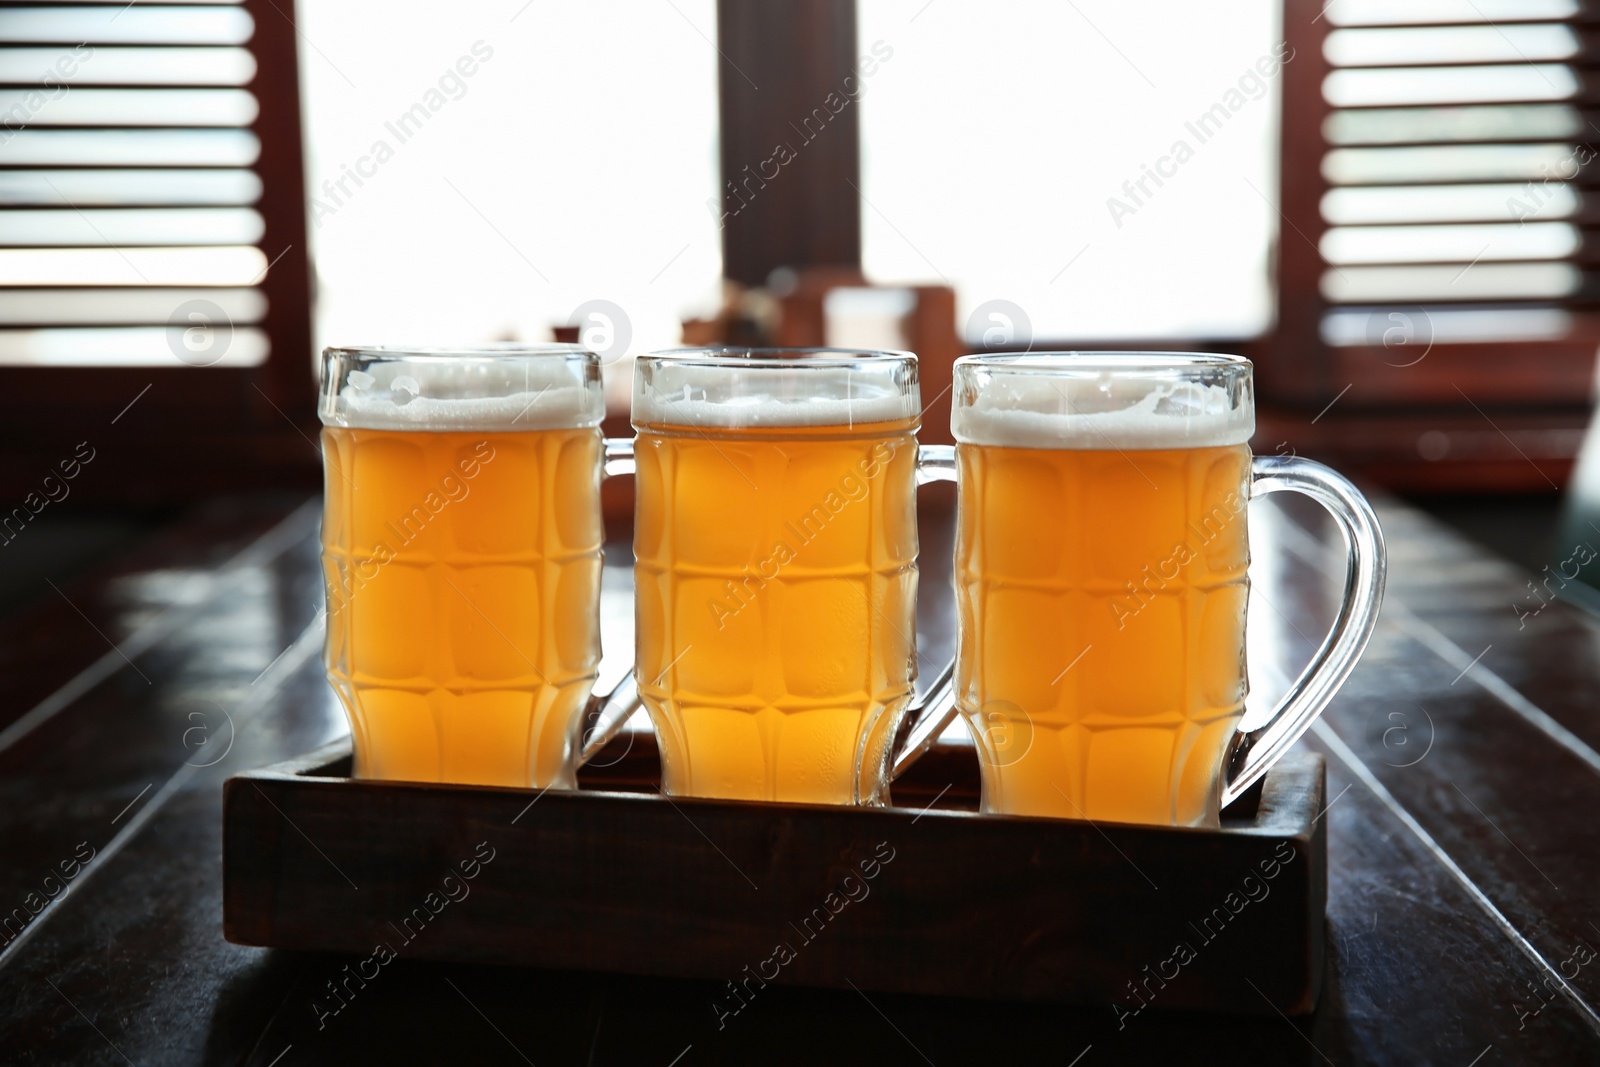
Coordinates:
(806, 308)
(1462, 777)
(155, 291)
(924, 322)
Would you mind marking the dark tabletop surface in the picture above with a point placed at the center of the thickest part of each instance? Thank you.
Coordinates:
(1464, 782)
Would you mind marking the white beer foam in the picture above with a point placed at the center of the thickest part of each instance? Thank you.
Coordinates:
(833, 396)
(536, 394)
(1022, 411)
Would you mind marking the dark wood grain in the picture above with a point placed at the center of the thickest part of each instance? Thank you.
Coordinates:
(71, 626)
(78, 779)
(1440, 934)
(1486, 777)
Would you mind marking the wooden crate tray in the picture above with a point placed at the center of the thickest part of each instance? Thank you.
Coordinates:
(913, 899)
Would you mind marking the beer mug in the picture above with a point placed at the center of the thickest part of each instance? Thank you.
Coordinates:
(1102, 577)
(461, 551)
(775, 546)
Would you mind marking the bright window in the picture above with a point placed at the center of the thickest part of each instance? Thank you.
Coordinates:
(995, 139)
(573, 163)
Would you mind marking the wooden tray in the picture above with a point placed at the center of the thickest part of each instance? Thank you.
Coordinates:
(929, 901)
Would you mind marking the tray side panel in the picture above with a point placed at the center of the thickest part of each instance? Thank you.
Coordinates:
(937, 903)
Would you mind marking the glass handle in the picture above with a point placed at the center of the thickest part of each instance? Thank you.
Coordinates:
(606, 715)
(1251, 754)
(927, 718)
(607, 712)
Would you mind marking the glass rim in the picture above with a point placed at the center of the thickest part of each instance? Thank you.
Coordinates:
(1124, 361)
(480, 351)
(776, 357)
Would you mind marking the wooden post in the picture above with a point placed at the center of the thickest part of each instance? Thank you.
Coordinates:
(791, 156)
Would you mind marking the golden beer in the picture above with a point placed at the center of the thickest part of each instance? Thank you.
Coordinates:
(463, 575)
(776, 585)
(1106, 661)
(1101, 590)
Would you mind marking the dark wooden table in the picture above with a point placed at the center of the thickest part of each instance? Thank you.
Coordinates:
(1464, 784)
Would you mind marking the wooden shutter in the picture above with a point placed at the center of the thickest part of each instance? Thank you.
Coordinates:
(153, 244)
(1437, 250)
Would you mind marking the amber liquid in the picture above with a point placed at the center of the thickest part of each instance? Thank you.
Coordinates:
(776, 584)
(1101, 599)
(463, 578)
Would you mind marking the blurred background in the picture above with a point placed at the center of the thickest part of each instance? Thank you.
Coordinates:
(1385, 203)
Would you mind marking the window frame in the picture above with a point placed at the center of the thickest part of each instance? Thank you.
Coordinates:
(166, 435)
